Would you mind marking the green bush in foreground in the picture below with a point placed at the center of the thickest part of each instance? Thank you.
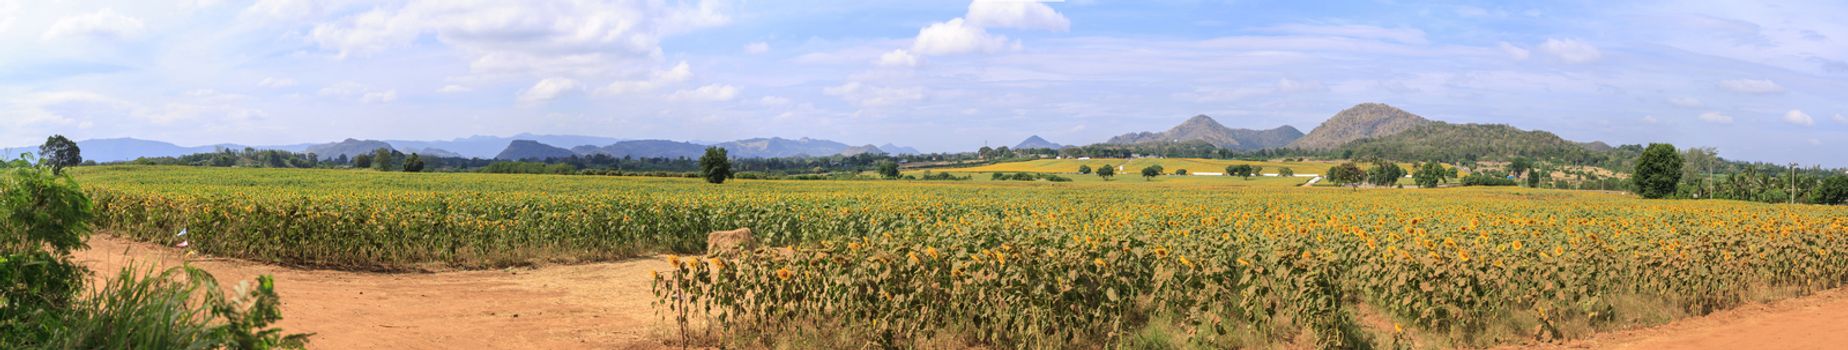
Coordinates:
(43, 217)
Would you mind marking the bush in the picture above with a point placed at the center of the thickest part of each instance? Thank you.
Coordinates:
(1657, 171)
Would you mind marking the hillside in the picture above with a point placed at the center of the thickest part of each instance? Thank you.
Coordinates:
(1458, 142)
(646, 149)
(348, 147)
(1366, 120)
(488, 146)
(123, 149)
(532, 150)
(1205, 129)
(859, 150)
(1036, 142)
(777, 147)
(898, 150)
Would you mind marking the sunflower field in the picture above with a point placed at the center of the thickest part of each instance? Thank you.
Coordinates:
(1213, 264)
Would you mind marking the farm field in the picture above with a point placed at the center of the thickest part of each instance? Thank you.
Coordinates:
(1208, 262)
(1131, 166)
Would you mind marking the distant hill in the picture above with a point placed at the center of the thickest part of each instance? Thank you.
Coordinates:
(1205, 129)
(532, 150)
(1366, 120)
(859, 150)
(430, 152)
(646, 149)
(898, 150)
(124, 149)
(1036, 142)
(488, 146)
(777, 147)
(348, 147)
(1458, 142)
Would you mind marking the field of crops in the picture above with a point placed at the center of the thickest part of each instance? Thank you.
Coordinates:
(1035, 264)
(1131, 166)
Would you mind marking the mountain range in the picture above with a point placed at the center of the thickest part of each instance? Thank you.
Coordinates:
(1205, 129)
(1373, 129)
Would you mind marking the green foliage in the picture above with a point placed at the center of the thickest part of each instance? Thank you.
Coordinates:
(1657, 171)
(59, 153)
(1488, 178)
(1151, 171)
(529, 168)
(1084, 170)
(1180, 171)
(177, 308)
(1384, 173)
(1520, 166)
(715, 166)
(888, 169)
(1240, 170)
(1346, 174)
(1286, 172)
(1106, 172)
(1834, 190)
(362, 161)
(1429, 175)
(414, 164)
(1534, 176)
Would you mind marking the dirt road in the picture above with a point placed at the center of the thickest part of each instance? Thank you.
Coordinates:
(595, 306)
(606, 306)
(1818, 321)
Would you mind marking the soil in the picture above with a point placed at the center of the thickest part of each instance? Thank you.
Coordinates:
(591, 306)
(607, 306)
(1817, 321)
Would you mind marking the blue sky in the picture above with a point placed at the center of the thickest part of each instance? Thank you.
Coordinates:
(1758, 81)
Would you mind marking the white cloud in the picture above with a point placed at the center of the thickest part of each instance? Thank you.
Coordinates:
(1716, 117)
(679, 73)
(1402, 35)
(757, 48)
(1650, 119)
(575, 38)
(1799, 118)
(1752, 86)
(453, 88)
(956, 37)
(548, 89)
(274, 82)
(773, 101)
(1841, 119)
(1687, 102)
(1288, 86)
(103, 24)
(708, 93)
(898, 58)
(361, 93)
(1023, 14)
(873, 96)
(1515, 52)
(1571, 50)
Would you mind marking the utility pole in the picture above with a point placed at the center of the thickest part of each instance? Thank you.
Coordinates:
(1793, 184)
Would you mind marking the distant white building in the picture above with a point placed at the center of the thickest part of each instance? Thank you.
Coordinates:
(1084, 158)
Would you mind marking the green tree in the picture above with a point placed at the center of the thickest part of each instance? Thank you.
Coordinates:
(1429, 175)
(715, 166)
(1257, 170)
(361, 161)
(1657, 171)
(1106, 172)
(1833, 190)
(888, 169)
(43, 217)
(413, 164)
(1084, 170)
(1180, 171)
(1151, 171)
(59, 153)
(1520, 166)
(383, 160)
(1534, 176)
(1347, 174)
(1384, 174)
(1286, 172)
